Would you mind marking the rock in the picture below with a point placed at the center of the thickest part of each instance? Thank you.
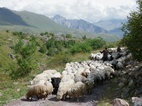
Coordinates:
(120, 84)
(18, 89)
(15, 83)
(0, 94)
(131, 83)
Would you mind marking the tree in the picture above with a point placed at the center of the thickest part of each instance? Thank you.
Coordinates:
(133, 32)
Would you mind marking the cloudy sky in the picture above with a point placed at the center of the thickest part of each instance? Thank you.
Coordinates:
(89, 10)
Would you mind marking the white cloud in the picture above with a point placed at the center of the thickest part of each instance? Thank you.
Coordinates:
(90, 10)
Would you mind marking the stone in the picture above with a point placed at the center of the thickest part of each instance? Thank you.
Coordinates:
(131, 83)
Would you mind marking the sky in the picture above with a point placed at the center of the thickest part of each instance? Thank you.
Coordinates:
(89, 10)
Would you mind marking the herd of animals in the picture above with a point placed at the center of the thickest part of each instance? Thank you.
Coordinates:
(78, 78)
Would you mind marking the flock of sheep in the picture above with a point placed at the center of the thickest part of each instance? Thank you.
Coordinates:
(77, 78)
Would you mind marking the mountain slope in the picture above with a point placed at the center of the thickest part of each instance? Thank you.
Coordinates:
(78, 24)
(117, 31)
(35, 23)
(7, 17)
(110, 24)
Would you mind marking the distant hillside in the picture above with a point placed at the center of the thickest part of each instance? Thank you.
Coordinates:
(35, 23)
(7, 17)
(78, 24)
(110, 24)
(117, 31)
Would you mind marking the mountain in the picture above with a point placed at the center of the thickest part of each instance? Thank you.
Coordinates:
(78, 24)
(29, 22)
(117, 31)
(7, 17)
(110, 24)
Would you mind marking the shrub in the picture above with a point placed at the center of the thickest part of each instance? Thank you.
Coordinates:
(81, 47)
(25, 61)
(96, 42)
(43, 49)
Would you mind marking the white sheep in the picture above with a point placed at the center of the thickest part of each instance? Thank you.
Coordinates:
(89, 85)
(109, 72)
(137, 101)
(77, 90)
(49, 87)
(67, 78)
(56, 75)
(36, 90)
(79, 78)
(63, 88)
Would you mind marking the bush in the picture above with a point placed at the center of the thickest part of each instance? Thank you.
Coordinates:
(43, 49)
(25, 61)
(24, 67)
(96, 43)
(81, 47)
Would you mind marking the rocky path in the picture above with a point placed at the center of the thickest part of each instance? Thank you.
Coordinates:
(88, 100)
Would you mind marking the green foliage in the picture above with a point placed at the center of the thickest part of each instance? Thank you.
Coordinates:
(51, 51)
(24, 67)
(84, 37)
(18, 46)
(81, 47)
(25, 61)
(133, 33)
(96, 43)
(50, 43)
(43, 49)
(68, 36)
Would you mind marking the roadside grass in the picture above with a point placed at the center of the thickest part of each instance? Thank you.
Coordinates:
(10, 89)
(112, 91)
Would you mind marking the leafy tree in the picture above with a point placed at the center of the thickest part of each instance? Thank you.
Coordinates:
(133, 32)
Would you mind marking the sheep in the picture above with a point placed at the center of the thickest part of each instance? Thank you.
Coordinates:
(57, 75)
(63, 88)
(36, 90)
(79, 78)
(89, 85)
(50, 71)
(137, 101)
(67, 78)
(109, 72)
(55, 82)
(77, 90)
(40, 79)
(112, 49)
(49, 88)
